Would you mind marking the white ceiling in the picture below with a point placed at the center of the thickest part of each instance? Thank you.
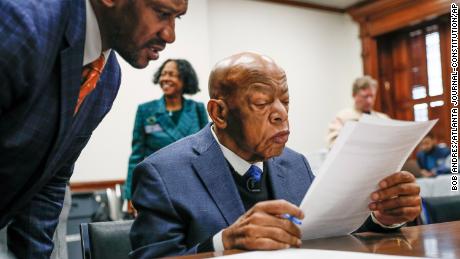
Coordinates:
(342, 4)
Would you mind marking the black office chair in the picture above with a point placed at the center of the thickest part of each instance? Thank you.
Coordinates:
(101, 240)
(441, 209)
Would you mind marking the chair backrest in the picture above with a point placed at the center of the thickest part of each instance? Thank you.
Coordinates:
(100, 240)
(441, 209)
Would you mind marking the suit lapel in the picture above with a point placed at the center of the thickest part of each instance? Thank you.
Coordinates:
(278, 179)
(212, 169)
(71, 68)
(186, 118)
(165, 121)
(71, 62)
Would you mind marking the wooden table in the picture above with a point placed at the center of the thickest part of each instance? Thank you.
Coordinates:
(436, 240)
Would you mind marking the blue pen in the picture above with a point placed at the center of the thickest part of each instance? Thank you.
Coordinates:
(292, 219)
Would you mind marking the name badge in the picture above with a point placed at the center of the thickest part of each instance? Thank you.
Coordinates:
(153, 128)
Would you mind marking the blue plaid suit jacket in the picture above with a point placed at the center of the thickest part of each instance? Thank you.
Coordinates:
(41, 56)
(185, 194)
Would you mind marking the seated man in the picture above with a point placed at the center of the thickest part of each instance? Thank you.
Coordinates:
(432, 157)
(226, 186)
(364, 92)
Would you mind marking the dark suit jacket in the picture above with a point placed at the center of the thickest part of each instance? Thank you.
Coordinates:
(154, 129)
(185, 194)
(41, 57)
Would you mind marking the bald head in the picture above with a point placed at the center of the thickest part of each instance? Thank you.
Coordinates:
(241, 70)
(249, 106)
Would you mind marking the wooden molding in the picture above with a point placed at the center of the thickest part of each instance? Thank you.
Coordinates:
(383, 16)
(375, 8)
(388, 53)
(94, 185)
(307, 5)
(376, 18)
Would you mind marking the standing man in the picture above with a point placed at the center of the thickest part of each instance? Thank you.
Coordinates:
(227, 186)
(58, 79)
(364, 93)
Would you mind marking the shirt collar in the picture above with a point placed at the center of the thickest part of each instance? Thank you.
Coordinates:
(372, 112)
(240, 165)
(93, 41)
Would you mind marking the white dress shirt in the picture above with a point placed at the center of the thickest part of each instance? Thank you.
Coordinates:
(93, 40)
(241, 166)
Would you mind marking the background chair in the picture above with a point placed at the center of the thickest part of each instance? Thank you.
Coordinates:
(101, 240)
(441, 209)
(115, 202)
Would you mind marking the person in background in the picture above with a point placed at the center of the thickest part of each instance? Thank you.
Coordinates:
(432, 157)
(59, 77)
(226, 186)
(364, 92)
(161, 122)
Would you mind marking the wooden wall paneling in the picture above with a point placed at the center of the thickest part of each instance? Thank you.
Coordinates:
(370, 63)
(439, 130)
(307, 5)
(369, 52)
(376, 18)
(385, 77)
(385, 16)
(401, 77)
(444, 38)
(389, 17)
(372, 8)
(408, 14)
(417, 54)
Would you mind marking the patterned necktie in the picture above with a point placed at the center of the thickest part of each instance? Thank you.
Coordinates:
(89, 77)
(254, 175)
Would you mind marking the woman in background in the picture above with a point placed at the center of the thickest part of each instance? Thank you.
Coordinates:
(161, 122)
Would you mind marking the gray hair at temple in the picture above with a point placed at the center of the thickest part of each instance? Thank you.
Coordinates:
(364, 82)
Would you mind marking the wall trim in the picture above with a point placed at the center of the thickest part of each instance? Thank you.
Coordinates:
(94, 185)
(307, 5)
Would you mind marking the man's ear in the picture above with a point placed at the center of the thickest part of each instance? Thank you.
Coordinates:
(218, 111)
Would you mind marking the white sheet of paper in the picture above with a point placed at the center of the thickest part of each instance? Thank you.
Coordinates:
(365, 152)
(314, 253)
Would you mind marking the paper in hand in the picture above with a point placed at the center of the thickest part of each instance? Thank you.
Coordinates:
(365, 152)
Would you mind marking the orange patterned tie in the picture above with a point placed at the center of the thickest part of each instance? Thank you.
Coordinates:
(89, 76)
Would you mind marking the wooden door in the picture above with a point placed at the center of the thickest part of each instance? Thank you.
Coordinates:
(413, 72)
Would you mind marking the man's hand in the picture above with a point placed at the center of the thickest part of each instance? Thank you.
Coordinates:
(426, 173)
(262, 228)
(397, 201)
(131, 210)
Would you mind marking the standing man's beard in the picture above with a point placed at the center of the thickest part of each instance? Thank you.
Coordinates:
(127, 49)
(120, 35)
(123, 46)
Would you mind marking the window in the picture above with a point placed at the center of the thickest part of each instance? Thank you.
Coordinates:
(418, 92)
(421, 112)
(433, 61)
